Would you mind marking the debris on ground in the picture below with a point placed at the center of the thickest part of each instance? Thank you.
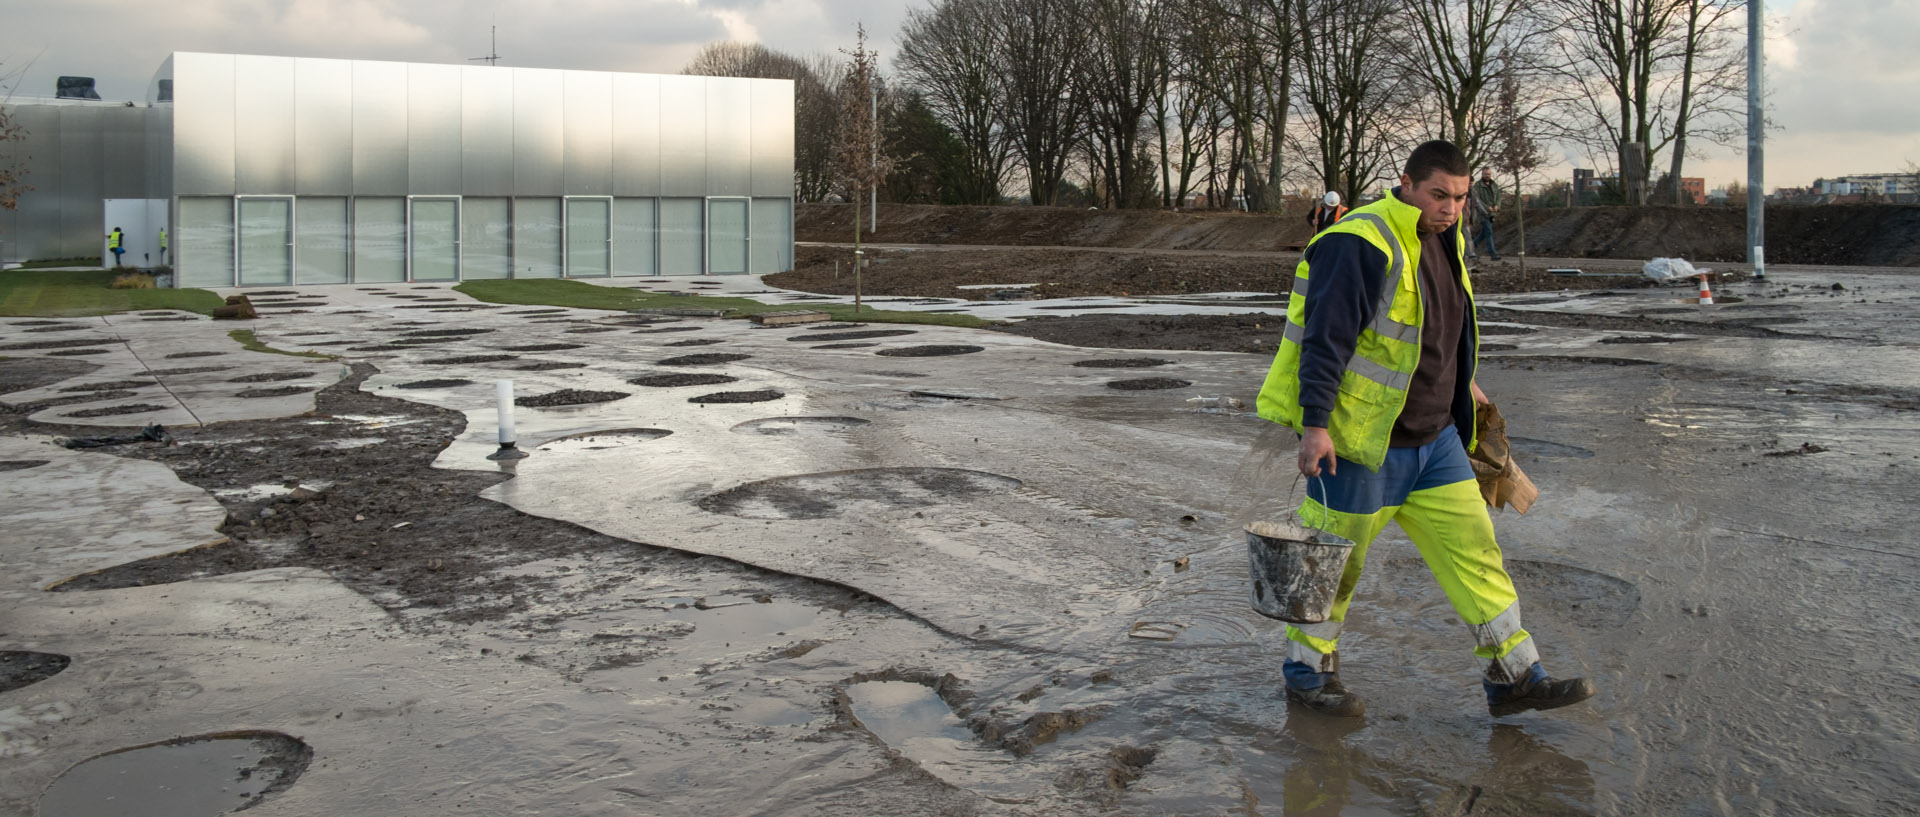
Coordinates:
(154, 433)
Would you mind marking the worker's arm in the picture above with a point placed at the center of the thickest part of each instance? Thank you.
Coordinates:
(1345, 281)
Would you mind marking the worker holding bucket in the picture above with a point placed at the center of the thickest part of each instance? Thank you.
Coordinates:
(1375, 372)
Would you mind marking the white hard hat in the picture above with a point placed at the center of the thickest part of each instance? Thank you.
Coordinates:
(1332, 198)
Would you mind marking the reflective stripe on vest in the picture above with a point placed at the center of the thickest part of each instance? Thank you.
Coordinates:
(1383, 323)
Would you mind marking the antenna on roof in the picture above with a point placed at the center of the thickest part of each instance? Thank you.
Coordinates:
(493, 47)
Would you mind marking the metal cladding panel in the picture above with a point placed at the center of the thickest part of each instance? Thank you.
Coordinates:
(82, 176)
(433, 129)
(379, 128)
(322, 127)
(159, 148)
(636, 135)
(124, 158)
(729, 136)
(772, 133)
(683, 136)
(263, 125)
(589, 125)
(203, 124)
(486, 130)
(539, 132)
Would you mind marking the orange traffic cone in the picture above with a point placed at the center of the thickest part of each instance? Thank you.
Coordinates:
(1706, 291)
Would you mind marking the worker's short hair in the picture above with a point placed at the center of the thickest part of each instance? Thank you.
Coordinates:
(1437, 155)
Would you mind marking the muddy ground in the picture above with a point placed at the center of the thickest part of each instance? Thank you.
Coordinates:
(1073, 273)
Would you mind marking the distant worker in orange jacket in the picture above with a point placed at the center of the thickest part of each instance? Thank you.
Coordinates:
(1326, 212)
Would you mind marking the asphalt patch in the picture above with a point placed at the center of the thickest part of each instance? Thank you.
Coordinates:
(57, 344)
(1149, 384)
(535, 312)
(177, 355)
(549, 365)
(19, 668)
(695, 342)
(870, 333)
(588, 330)
(833, 493)
(79, 352)
(277, 391)
(1640, 339)
(444, 333)
(658, 330)
(268, 377)
(544, 347)
(672, 380)
(758, 396)
(441, 383)
(61, 328)
(21, 465)
(456, 361)
(569, 397)
(936, 350)
(114, 411)
(110, 386)
(702, 360)
(1122, 363)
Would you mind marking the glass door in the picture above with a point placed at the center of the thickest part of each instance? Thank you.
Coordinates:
(433, 233)
(266, 240)
(589, 237)
(726, 236)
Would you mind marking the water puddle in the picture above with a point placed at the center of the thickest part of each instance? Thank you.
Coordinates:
(823, 495)
(189, 777)
(602, 440)
(269, 490)
(911, 719)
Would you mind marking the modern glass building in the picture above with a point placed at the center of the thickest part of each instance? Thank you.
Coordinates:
(282, 170)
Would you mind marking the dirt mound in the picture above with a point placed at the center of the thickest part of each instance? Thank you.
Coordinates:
(1057, 226)
(1880, 235)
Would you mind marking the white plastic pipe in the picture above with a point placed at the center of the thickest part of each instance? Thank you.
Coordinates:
(503, 389)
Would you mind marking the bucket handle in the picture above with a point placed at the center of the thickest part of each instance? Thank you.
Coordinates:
(1326, 513)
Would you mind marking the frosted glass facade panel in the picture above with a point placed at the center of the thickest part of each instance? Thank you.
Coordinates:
(633, 245)
(726, 236)
(266, 241)
(320, 240)
(589, 238)
(433, 244)
(536, 238)
(203, 244)
(486, 238)
(772, 243)
(681, 236)
(379, 240)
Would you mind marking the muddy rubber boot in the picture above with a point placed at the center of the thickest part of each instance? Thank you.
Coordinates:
(1321, 692)
(1536, 691)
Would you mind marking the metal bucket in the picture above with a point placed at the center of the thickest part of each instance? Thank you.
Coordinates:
(1295, 570)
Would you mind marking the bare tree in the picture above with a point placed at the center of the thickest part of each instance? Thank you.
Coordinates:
(1352, 93)
(859, 164)
(1121, 75)
(1039, 41)
(816, 109)
(1514, 151)
(1711, 68)
(1460, 42)
(13, 167)
(949, 55)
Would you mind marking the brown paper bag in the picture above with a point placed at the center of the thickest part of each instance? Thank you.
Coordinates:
(1501, 480)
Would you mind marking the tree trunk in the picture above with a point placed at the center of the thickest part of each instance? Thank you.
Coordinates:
(1520, 223)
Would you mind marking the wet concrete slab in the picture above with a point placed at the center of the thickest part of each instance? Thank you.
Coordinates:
(1716, 525)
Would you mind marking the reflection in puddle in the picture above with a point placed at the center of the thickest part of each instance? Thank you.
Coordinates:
(602, 440)
(911, 719)
(187, 778)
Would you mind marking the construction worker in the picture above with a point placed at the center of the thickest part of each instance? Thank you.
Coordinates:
(1326, 212)
(163, 246)
(1485, 199)
(115, 242)
(1375, 372)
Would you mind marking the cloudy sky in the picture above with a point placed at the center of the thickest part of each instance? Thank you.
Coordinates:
(1841, 71)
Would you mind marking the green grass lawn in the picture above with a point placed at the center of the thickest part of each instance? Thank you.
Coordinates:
(61, 262)
(72, 294)
(246, 339)
(580, 295)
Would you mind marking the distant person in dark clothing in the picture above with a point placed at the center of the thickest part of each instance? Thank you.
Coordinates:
(1486, 202)
(1326, 212)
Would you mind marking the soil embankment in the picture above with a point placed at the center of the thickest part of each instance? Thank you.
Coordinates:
(1849, 235)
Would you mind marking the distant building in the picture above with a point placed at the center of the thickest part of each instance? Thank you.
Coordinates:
(1867, 184)
(1694, 188)
(1585, 185)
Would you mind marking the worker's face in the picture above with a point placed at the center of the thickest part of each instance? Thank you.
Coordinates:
(1441, 196)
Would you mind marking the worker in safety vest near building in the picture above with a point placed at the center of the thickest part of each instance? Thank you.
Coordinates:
(115, 240)
(1326, 212)
(1375, 372)
(163, 245)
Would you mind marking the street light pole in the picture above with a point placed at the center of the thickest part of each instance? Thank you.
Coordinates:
(873, 202)
(1756, 138)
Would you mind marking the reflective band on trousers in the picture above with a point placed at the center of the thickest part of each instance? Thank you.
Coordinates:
(1496, 632)
(1357, 364)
